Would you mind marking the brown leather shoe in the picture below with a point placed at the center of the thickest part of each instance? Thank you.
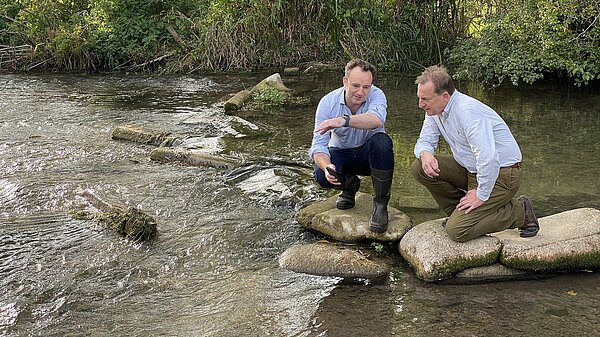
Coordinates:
(531, 226)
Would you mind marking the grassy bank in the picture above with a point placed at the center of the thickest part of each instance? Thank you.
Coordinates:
(186, 36)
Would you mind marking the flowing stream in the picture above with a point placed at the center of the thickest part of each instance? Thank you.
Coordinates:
(213, 270)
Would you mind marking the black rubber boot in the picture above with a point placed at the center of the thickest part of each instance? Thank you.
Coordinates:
(346, 198)
(382, 184)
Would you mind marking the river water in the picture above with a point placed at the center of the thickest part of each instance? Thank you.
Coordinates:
(213, 270)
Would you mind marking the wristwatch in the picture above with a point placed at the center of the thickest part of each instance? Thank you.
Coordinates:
(347, 118)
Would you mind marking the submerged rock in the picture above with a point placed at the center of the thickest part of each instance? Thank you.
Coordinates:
(190, 157)
(494, 273)
(327, 259)
(352, 225)
(138, 134)
(567, 241)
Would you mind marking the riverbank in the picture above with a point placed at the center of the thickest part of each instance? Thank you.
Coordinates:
(197, 36)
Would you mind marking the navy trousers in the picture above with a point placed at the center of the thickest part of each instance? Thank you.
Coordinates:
(377, 153)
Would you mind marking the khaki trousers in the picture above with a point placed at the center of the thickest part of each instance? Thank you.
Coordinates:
(499, 212)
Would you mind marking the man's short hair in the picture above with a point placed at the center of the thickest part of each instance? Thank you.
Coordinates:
(364, 66)
(442, 81)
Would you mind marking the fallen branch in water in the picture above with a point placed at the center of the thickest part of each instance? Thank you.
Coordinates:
(129, 222)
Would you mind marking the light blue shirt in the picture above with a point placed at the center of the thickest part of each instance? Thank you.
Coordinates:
(333, 105)
(480, 140)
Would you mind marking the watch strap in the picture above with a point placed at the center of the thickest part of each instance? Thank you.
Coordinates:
(347, 118)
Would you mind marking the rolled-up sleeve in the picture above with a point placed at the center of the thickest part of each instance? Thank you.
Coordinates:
(428, 138)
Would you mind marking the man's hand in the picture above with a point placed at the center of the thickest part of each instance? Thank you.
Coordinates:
(430, 165)
(323, 162)
(330, 124)
(331, 178)
(469, 202)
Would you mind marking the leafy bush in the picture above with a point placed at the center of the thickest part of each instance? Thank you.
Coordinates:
(528, 40)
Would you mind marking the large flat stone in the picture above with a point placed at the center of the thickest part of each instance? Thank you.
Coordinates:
(435, 257)
(566, 241)
(328, 259)
(352, 225)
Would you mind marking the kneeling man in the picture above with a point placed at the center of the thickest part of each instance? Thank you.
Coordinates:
(476, 185)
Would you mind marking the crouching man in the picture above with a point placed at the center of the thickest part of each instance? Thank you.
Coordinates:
(350, 140)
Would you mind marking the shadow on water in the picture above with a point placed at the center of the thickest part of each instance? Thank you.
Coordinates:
(213, 270)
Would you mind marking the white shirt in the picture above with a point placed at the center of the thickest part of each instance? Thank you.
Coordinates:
(479, 138)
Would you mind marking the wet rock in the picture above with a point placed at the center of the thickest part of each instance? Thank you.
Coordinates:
(435, 257)
(191, 157)
(494, 273)
(274, 81)
(130, 222)
(138, 134)
(327, 259)
(237, 101)
(566, 241)
(352, 225)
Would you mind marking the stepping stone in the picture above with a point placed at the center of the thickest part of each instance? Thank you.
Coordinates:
(352, 225)
(566, 241)
(329, 259)
(435, 257)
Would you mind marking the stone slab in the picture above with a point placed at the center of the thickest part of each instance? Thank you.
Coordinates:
(352, 225)
(328, 259)
(435, 257)
(566, 241)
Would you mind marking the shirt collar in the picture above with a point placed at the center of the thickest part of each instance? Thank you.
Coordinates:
(451, 102)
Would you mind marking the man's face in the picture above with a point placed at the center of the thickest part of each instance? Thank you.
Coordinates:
(432, 103)
(357, 86)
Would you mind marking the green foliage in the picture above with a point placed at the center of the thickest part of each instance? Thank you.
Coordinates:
(519, 40)
(377, 246)
(227, 34)
(129, 30)
(526, 41)
(268, 98)
(251, 34)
